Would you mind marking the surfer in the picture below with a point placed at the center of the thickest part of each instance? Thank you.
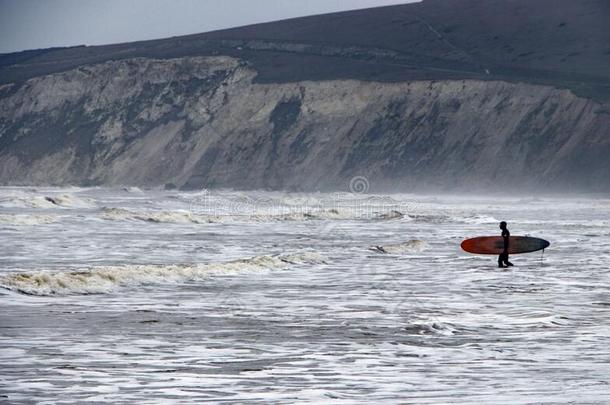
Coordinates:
(503, 258)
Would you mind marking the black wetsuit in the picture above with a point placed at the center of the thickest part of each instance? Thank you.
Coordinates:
(503, 258)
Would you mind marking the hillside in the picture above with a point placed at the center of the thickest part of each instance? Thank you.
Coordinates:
(438, 95)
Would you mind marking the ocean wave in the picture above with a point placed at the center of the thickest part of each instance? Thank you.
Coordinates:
(116, 214)
(298, 206)
(24, 219)
(293, 216)
(410, 246)
(122, 214)
(15, 201)
(303, 258)
(430, 218)
(70, 201)
(390, 215)
(38, 201)
(430, 328)
(478, 219)
(437, 218)
(132, 189)
(105, 279)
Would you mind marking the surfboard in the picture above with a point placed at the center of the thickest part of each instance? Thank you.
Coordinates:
(494, 245)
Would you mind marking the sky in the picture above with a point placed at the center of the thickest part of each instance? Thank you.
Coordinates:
(33, 24)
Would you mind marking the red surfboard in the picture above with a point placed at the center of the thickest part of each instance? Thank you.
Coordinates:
(494, 245)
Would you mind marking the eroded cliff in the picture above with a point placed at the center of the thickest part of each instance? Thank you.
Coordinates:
(204, 122)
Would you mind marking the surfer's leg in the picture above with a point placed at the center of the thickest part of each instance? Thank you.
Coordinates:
(501, 260)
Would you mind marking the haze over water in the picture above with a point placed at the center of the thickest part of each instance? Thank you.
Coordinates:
(124, 295)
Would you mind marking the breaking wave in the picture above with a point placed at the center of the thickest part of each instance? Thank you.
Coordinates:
(430, 328)
(121, 214)
(25, 202)
(411, 246)
(430, 218)
(132, 189)
(184, 216)
(38, 201)
(23, 219)
(105, 279)
(303, 258)
(390, 215)
(437, 218)
(70, 201)
(478, 219)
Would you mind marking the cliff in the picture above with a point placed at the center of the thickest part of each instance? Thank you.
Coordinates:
(291, 105)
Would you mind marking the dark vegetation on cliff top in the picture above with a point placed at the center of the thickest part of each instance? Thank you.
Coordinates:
(564, 43)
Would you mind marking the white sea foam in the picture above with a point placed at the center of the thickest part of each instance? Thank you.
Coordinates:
(27, 200)
(390, 215)
(122, 214)
(345, 329)
(25, 219)
(477, 219)
(70, 201)
(173, 217)
(304, 258)
(133, 189)
(104, 279)
(433, 218)
(410, 246)
(184, 216)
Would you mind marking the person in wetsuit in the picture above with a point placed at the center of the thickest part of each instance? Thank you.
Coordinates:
(503, 258)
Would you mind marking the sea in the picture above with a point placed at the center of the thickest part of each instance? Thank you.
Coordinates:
(135, 296)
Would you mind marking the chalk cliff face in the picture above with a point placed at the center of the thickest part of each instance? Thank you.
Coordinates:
(202, 122)
(460, 95)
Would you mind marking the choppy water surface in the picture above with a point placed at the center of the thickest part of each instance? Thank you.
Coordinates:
(158, 296)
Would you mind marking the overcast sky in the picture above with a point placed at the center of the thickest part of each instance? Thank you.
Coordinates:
(31, 24)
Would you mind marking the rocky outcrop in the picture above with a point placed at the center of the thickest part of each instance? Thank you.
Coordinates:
(205, 122)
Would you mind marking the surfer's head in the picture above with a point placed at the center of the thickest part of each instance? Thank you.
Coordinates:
(503, 225)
